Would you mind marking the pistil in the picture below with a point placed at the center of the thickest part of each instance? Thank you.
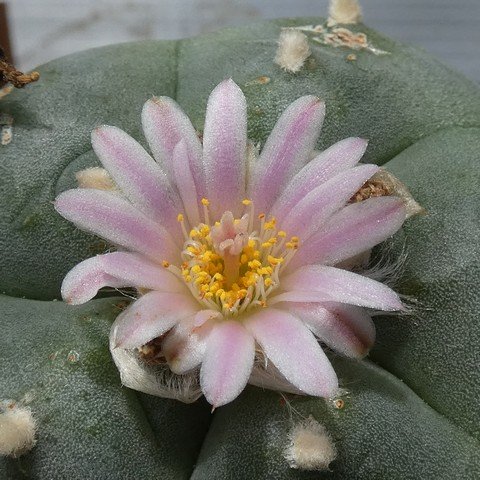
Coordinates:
(231, 269)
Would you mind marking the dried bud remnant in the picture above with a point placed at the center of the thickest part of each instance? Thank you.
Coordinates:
(292, 50)
(17, 429)
(344, 11)
(9, 74)
(383, 183)
(310, 447)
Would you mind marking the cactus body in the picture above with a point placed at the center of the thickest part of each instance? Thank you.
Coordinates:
(411, 410)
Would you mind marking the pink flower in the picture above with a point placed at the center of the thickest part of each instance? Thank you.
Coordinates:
(234, 257)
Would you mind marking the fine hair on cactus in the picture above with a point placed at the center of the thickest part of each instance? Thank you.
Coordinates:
(17, 429)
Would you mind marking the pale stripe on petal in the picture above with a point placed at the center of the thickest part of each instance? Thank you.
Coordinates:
(111, 217)
(347, 329)
(293, 349)
(353, 230)
(185, 182)
(117, 270)
(225, 148)
(286, 150)
(335, 159)
(316, 207)
(150, 316)
(227, 363)
(336, 285)
(164, 125)
(139, 177)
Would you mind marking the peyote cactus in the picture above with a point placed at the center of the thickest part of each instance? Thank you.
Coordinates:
(410, 410)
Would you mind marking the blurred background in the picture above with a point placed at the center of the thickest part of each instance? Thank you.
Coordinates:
(41, 30)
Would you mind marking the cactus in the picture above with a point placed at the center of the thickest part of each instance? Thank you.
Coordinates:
(410, 410)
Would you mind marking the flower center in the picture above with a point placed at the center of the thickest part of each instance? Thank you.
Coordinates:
(231, 267)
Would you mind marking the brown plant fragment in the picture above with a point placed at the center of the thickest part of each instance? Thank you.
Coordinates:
(382, 184)
(151, 352)
(346, 38)
(371, 188)
(9, 74)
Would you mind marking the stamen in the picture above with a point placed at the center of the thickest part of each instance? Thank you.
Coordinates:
(206, 204)
(228, 266)
(181, 220)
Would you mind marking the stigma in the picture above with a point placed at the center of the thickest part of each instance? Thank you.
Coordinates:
(234, 264)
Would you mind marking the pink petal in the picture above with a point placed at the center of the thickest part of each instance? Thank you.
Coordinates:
(339, 157)
(225, 148)
(227, 363)
(164, 125)
(345, 328)
(353, 230)
(116, 220)
(316, 207)
(118, 270)
(184, 347)
(139, 177)
(288, 343)
(150, 316)
(183, 177)
(286, 150)
(204, 316)
(336, 285)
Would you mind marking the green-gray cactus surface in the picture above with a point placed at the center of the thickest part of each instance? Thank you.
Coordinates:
(412, 408)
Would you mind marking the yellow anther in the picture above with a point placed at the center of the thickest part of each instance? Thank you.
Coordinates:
(205, 202)
(265, 271)
(193, 233)
(282, 234)
(179, 217)
(270, 225)
(274, 260)
(243, 258)
(254, 264)
(209, 295)
(294, 239)
(268, 282)
(247, 202)
(218, 276)
(165, 264)
(266, 245)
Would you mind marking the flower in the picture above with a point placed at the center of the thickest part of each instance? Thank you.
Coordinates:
(237, 260)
